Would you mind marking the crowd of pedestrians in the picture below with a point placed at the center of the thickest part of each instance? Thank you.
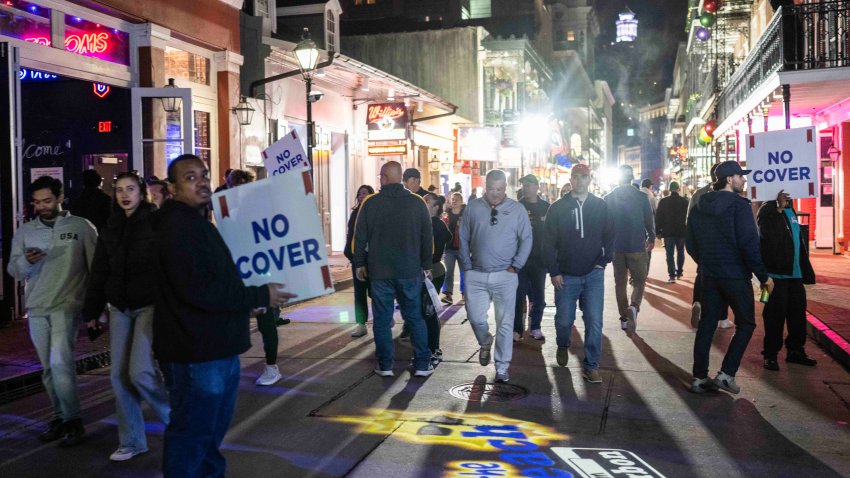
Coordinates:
(176, 345)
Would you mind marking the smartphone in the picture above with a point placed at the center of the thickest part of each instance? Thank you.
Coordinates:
(33, 250)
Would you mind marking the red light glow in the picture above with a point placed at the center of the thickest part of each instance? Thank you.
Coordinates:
(104, 126)
(84, 44)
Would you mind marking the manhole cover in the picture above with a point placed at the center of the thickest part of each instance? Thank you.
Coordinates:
(485, 392)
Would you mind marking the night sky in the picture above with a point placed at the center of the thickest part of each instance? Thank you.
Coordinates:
(661, 26)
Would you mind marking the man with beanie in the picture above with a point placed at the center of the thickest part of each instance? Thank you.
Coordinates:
(670, 224)
(724, 242)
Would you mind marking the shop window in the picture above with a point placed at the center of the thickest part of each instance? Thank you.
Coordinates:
(25, 21)
(571, 36)
(203, 146)
(187, 66)
(93, 39)
(330, 31)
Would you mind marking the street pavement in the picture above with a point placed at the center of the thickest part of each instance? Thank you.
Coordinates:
(332, 417)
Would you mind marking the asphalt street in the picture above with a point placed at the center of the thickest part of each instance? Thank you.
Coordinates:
(332, 417)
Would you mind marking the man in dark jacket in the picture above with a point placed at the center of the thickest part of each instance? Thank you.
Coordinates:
(786, 256)
(723, 240)
(93, 204)
(670, 224)
(393, 246)
(580, 228)
(412, 180)
(200, 322)
(532, 276)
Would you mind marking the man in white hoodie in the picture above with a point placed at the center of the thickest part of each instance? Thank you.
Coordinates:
(52, 254)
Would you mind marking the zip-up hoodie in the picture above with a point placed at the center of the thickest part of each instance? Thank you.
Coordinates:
(723, 238)
(57, 282)
(488, 247)
(633, 219)
(581, 235)
(392, 235)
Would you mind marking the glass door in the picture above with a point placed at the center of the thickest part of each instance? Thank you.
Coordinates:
(162, 128)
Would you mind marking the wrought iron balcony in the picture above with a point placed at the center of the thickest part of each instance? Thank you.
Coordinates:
(810, 36)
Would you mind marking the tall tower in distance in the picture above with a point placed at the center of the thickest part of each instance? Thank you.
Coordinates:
(627, 26)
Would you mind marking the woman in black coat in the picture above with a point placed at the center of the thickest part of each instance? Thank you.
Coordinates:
(361, 288)
(122, 275)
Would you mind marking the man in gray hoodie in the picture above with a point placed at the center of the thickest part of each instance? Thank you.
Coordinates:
(52, 254)
(495, 241)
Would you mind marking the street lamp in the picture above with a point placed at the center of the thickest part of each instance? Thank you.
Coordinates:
(244, 112)
(307, 55)
(834, 154)
(170, 104)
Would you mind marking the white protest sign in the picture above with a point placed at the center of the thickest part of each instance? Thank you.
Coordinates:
(273, 232)
(286, 155)
(782, 160)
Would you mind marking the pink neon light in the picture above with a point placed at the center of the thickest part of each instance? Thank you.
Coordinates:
(81, 44)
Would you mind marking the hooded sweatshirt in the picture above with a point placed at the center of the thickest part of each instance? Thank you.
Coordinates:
(723, 238)
(392, 235)
(581, 235)
(494, 238)
(57, 282)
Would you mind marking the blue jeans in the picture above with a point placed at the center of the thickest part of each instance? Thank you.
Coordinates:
(408, 292)
(53, 336)
(450, 258)
(590, 289)
(677, 244)
(716, 293)
(135, 375)
(532, 284)
(361, 305)
(203, 397)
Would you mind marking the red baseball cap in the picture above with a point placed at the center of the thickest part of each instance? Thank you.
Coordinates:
(580, 169)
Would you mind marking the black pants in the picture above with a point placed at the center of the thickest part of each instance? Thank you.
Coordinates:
(361, 306)
(698, 285)
(718, 295)
(432, 322)
(268, 330)
(787, 304)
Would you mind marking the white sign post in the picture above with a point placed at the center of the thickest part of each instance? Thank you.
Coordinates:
(286, 155)
(782, 160)
(273, 232)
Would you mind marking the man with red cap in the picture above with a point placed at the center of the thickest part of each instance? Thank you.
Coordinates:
(580, 228)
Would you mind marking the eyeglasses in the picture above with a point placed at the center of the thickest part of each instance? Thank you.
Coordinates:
(493, 219)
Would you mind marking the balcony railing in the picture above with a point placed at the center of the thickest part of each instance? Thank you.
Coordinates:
(810, 36)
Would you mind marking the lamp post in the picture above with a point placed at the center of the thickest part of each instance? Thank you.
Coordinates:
(834, 154)
(307, 55)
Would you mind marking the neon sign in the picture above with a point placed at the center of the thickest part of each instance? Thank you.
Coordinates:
(101, 90)
(387, 121)
(27, 74)
(84, 44)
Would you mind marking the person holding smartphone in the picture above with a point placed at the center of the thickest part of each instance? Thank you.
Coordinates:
(51, 255)
(122, 275)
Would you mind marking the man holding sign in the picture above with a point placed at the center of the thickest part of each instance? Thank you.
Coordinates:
(393, 247)
(200, 323)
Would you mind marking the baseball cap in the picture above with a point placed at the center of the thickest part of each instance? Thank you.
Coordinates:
(580, 169)
(529, 178)
(730, 168)
(411, 173)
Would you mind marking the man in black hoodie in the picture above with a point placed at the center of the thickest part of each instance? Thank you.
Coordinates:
(786, 256)
(724, 242)
(200, 322)
(670, 224)
(393, 247)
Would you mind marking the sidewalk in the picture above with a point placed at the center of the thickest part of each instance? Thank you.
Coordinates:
(829, 308)
(20, 370)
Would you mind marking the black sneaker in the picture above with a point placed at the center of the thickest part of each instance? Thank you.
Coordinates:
(282, 321)
(801, 358)
(74, 433)
(771, 364)
(54, 431)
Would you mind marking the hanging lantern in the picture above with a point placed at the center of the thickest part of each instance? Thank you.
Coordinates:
(703, 33)
(707, 19)
(711, 6)
(710, 126)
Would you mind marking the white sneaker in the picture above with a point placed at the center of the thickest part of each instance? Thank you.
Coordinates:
(359, 331)
(536, 334)
(727, 382)
(696, 310)
(125, 453)
(424, 373)
(270, 376)
(517, 337)
(383, 373)
(725, 324)
(631, 320)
